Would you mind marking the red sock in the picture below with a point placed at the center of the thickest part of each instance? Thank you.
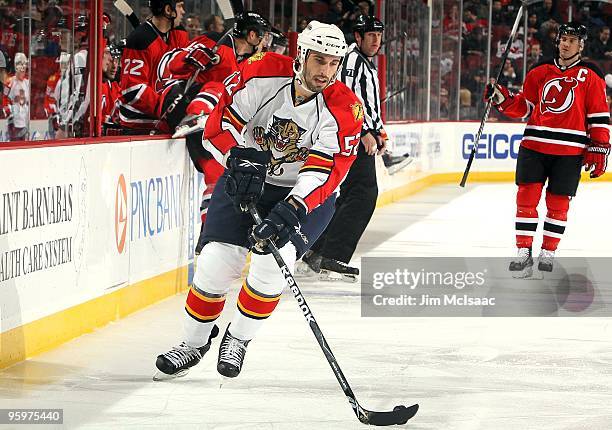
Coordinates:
(527, 199)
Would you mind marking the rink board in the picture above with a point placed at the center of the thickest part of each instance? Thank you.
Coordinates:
(110, 228)
(90, 233)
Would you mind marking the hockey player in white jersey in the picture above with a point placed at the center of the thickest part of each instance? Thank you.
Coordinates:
(287, 133)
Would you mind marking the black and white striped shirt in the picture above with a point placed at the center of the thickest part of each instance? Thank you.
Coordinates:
(360, 74)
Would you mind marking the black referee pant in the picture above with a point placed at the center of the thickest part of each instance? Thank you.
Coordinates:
(354, 208)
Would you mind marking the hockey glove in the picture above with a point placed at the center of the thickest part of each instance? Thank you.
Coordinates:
(175, 101)
(596, 158)
(498, 94)
(201, 56)
(282, 222)
(246, 174)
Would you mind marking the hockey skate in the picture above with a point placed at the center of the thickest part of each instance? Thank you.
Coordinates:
(545, 260)
(310, 265)
(522, 265)
(395, 163)
(334, 270)
(176, 362)
(231, 355)
(189, 125)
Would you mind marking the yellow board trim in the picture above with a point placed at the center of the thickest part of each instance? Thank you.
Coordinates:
(51, 331)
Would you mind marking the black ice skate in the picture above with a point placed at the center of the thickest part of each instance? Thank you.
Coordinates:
(334, 270)
(395, 163)
(522, 265)
(545, 260)
(231, 355)
(310, 264)
(176, 362)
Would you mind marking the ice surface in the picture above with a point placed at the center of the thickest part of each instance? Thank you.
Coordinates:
(468, 373)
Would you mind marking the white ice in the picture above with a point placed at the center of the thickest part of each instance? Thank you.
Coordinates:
(466, 373)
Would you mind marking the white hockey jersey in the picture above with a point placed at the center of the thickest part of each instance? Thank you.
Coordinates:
(19, 95)
(312, 144)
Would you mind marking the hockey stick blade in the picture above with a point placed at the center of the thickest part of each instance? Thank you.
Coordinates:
(399, 415)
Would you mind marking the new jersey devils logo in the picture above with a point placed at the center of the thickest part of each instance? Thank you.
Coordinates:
(558, 95)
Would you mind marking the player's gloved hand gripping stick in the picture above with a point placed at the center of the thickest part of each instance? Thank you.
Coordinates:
(400, 414)
(485, 116)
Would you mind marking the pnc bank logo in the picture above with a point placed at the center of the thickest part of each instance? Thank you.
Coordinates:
(121, 209)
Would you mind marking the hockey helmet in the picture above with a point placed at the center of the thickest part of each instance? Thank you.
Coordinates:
(250, 21)
(21, 62)
(573, 29)
(279, 41)
(324, 38)
(157, 6)
(64, 61)
(365, 24)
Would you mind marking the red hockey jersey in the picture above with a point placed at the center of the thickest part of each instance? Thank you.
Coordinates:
(110, 92)
(143, 51)
(566, 107)
(312, 144)
(50, 104)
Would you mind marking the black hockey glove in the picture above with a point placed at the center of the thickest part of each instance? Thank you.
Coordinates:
(175, 102)
(246, 174)
(282, 222)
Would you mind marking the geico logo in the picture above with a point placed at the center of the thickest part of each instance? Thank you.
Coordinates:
(155, 206)
(496, 146)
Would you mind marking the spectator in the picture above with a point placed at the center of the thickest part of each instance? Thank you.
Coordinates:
(548, 43)
(600, 47)
(534, 55)
(471, 20)
(193, 26)
(500, 15)
(302, 24)
(451, 23)
(547, 11)
(364, 7)
(214, 24)
(336, 13)
(508, 77)
(516, 49)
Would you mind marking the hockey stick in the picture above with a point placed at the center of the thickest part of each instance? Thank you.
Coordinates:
(485, 116)
(400, 414)
(127, 11)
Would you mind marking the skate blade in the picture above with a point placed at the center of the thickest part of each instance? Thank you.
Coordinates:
(224, 381)
(399, 166)
(326, 275)
(161, 376)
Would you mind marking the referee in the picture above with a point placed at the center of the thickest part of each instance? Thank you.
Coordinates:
(358, 193)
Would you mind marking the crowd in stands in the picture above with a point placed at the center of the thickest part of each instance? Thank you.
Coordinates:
(53, 36)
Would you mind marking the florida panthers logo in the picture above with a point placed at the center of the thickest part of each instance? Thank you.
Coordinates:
(281, 140)
(558, 95)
